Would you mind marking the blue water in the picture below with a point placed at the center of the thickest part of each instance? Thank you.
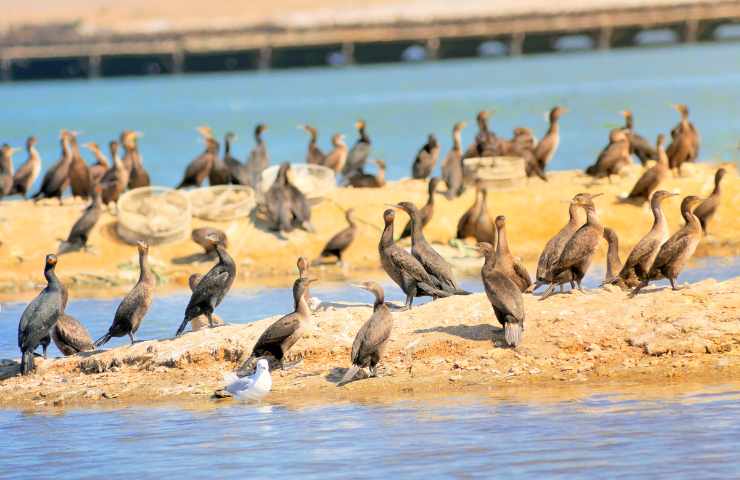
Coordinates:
(402, 103)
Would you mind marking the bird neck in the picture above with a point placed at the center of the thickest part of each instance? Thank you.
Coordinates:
(223, 256)
(659, 220)
(690, 219)
(51, 278)
(612, 257)
(379, 300)
(300, 304)
(145, 272)
(628, 123)
(416, 233)
(363, 135)
(457, 141)
(573, 215)
(386, 239)
(717, 189)
(227, 147)
(554, 126)
(33, 153)
(592, 218)
(502, 246)
(430, 197)
(381, 176)
(482, 125)
(490, 261)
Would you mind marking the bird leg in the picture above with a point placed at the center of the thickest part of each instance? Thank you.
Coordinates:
(550, 290)
(45, 347)
(562, 288)
(673, 286)
(131, 337)
(210, 319)
(638, 288)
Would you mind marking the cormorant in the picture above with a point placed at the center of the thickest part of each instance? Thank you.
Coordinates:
(199, 169)
(677, 250)
(706, 210)
(135, 305)
(314, 155)
(686, 140)
(258, 159)
(201, 321)
(28, 172)
(425, 212)
(337, 157)
(212, 289)
(547, 147)
(238, 174)
(366, 180)
(70, 336)
(505, 297)
(287, 207)
(485, 143)
(357, 156)
(426, 159)
(138, 176)
(613, 157)
(373, 336)
(650, 180)
(342, 240)
(77, 238)
(101, 165)
(452, 167)
(115, 180)
(56, 179)
(40, 316)
(505, 261)
(476, 222)
(613, 263)
(523, 145)
(201, 237)
(79, 172)
(6, 169)
(639, 147)
(220, 172)
(554, 247)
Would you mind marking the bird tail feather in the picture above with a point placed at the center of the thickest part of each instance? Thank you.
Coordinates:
(102, 340)
(513, 333)
(349, 375)
(461, 292)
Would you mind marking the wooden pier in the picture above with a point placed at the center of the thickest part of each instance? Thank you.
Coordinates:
(264, 47)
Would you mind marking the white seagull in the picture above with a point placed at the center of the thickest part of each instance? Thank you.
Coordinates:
(253, 387)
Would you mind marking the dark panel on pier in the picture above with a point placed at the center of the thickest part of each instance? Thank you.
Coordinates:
(539, 43)
(460, 47)
(52, 68)
(380, 52)
(221, 61)
(314, 56)
(122, 65)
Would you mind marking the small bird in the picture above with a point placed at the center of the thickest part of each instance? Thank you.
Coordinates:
(56, 179)
(476, 222)
(336, 158)
(314, 155)
(287, 207)
(686, 140)
(101, 165)
(367, 180)
(199, 169)
(28, 172)
(554, 247)
(546, 148)
(258, 159)
(613, 158)
(426, 159)
(357, 156)
(651, 179)
(251, 388)
(115, 180)
(337, 244)
(706, 210)
(425, 212)
(639, 147)
(78, 236)
(452, 167)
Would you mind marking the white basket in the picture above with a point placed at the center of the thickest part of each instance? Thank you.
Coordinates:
(155, 215)
(495, 173)
(222, 202)
(315, 181)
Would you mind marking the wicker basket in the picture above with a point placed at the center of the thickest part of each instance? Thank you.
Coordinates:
(314, 181)
(495, 173)
(222, 203)
(155, 215)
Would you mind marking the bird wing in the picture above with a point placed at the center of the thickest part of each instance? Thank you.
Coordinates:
(644, 184)
(299, 205)
(503, 294)
(672, 248)
(281, 329)
(23, 173)
(214, 281)
(375, 331)
(38, 317)
(436, 266)
(410, 266)
(71, 332)
(239, 385)
(522, 272)
(581, 243)
(84, 224)
(340, 241)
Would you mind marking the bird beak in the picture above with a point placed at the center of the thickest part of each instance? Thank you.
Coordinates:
(301, 127)
(564, 110)
(311, 280)
(13, 150)
(597, 195)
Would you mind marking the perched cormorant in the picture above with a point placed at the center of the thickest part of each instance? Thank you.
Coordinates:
(613, 158)
(6, 169)
(404, 268)
(485, 143)
(56, 179)
(579, 250)
(342, 240)
(258, 159)
(77, 238)
(314, 155)
(199, 169)
(639, 147)
(287, 330)
(357, 156)
(373, 336)
(505, 297)
(135, 305)
(220, 172)
(452, 167)
(476, 222)
(425, 212)
(201, 321)
(115, 180)
(201, 237)
(613, 263)
(505, 261)
(650, 180)
(685, 144)
(336, 158)
(554, 247)
(101, 165)
(79, 172)
(367, 180)
(643, 254)
(70, 336)
(706, 210)
(28, 172)
(678, 249)
(547, 147)
(40, 316)
(238, 174)
(212, 289)
(138, 176)
(523, 145)
(287, 207)
(426, 159)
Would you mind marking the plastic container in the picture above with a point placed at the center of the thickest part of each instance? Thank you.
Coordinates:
(156, 215)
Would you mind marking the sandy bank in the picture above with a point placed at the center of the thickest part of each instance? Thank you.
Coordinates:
(449, 346)
(28, 232)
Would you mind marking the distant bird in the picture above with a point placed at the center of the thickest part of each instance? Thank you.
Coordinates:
(115, 180)
(258, 159)
(523, 145)
(651, 179)
(70, 336)
(639, 147)
(372, 338)
(199, 169)
(554, 247)
(138, 176)
(220, 173)
(6, 169)
(359, 153)
(251, 388)
(425, 212)
(505, 261)
(485, 143)
(426, 159)
(314, 155)
(546, 148)
(504, 295)
(287, 206)
(613, 158)
(476, 222)
(101, 165)
(79, 172)
(211, 290)
(201, 321)
(202, 235)
(678, 249)
(452, 167)
(336, 158)
(686, 141)
(706, 210)
(366, 180)
(56, 179)
(135, 305)
(238, 174)
(40, 316)
(280, 337)
(338, 243)
(613, 263)
(78, 236)
(28, 172)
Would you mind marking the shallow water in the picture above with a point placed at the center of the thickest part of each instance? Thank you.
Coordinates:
(402, 103)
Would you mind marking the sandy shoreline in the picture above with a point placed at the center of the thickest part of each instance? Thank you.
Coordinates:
(452, 346)
(535, 212)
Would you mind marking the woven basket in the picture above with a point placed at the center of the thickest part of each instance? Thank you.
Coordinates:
(222, 203)
(495, 173)
(155, 215)
(314, 181)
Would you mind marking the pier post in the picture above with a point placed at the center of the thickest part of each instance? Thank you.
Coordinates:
(348, 51)
(6, 69)
(178, 61)
(264, 61)
(516, 44)
(691, 31)
(432, 48)
(93, 66)
(604, 41)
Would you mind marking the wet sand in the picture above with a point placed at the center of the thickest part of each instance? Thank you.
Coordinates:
(449, 347)
(534, 212)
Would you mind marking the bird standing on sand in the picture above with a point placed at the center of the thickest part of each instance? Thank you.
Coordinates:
(485, 142)
(337, 244)
(367, 180)
(220, 173)
(505, 297)
(56, 179)
(426, 159)
(253, 387)
(706, 210)
(70, 336)
(213, 287)
(613, 158)
(452, 167)
(135, 305)
(138, 176)
(686, 140)
(199, 169)
(115, 180)
(336, 158)
(651, 179)
(79, 172)
(476, 222)
(238, 174)
(677, 250)
(40, 316)
(554, 247)
(314, 155)
(6, 169)
(546, 148)
(372, 338)
(101, 165)
(639, 147)
(258, 159)
(78, 236)
(523, 145)
(359, 153)
(201, 237)
(425, 212)
(287, 207)
(28, 172)
(613, 263)
(505, 261)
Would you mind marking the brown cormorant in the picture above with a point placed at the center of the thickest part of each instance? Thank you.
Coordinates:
(115, 180)
(135, 305)
(138, 176)
(56, 178)
(706, 210)
(28, 172)
(201, 321)
(220, 172)
(357, 156)
(523, 145)
(201, 237)
(613, 263)
(678, 249)
(650, 180)
(554, 247)
(476, 222)
(70, 336)
(6, 169)
(79, 172)
(199, 169)
(101, 165)
(686, 140)
(613, 158)
(342, 240)
(77, 238)
(425, 212)
(314, 155)
(336, 158)
(485, 143)
(212, 289)
(258, 159)
(505, 261)
(452, 167)
(547, 147)
(426, 159)
(40, 316)
(238, 174)
(505, 297)
(367, 180)
(639, 147)
(287, 207)
(373, 336)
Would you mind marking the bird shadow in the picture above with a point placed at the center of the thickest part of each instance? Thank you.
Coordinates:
(480, 332)
(336, 374)
(9, 368)
(199, 257)
(336, 306)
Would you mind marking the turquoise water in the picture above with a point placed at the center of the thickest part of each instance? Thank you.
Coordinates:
(402, 103)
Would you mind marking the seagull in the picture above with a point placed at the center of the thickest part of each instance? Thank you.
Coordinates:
(253, 387)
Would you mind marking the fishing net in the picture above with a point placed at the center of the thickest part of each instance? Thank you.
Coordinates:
(156, 215)
(314, 181)
(222, 202)
(496, 173)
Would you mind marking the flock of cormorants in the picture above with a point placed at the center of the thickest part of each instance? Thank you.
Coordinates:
(420, 272)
